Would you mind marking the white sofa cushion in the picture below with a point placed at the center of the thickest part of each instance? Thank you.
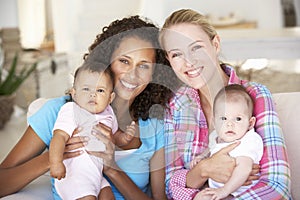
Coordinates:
(288, 108)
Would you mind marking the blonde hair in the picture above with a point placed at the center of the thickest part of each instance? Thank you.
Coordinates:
(187, 16)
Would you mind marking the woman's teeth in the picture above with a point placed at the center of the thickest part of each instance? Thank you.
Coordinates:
(128, 85)
(194, 72)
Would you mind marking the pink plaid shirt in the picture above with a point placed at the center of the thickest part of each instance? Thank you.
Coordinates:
(187, 136)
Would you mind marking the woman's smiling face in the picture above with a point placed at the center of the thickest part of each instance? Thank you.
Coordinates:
(191, 53)
(133, 65)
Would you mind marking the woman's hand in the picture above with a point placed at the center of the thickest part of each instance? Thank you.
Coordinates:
(220, 165)
(75, 142)
(229, 165)
(104, 134)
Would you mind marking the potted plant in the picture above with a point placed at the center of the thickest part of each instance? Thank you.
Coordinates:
(10, 81)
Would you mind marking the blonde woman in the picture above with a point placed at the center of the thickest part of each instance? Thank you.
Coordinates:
(192, 46)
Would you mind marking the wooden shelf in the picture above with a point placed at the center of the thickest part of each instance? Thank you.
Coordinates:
(241, 25)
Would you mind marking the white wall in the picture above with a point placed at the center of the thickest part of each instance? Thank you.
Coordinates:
(8, 13)
(267, 13)
(73, 19)
(84, 20)
(76, 26)
(77, 22)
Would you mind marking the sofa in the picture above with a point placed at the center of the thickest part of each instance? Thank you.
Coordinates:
(287, 106)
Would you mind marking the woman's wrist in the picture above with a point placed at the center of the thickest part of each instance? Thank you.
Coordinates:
(111, 171)
(45, 160)
(197, 176)
(203, 168)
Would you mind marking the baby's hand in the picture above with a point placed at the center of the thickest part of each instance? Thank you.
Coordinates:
(202, 196)
(130, 132)
(216, 193)
(124, 138)
(58, 170)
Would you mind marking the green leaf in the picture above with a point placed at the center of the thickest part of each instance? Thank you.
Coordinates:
(13, 81)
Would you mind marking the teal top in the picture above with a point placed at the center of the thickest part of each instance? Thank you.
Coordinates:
(135, 163)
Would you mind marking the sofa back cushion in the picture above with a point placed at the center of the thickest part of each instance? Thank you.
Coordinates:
(288, 108)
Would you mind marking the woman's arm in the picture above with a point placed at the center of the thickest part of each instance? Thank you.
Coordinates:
(275, 180)
(23, 164)
(219, 167)
(26, 161)
(185, 183)
(158, 174)
(130, 191)
(124, 184)
(185, 139)
(176, 141)
(119, 178)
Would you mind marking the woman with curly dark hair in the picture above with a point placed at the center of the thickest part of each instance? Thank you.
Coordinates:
(164, 81)
(143, 85)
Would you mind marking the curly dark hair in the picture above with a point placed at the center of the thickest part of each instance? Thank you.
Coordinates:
(153, 100)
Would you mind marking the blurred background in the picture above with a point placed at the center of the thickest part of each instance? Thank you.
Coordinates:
(260, 38)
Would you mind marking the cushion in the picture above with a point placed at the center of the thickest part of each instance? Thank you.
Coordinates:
(287, 106)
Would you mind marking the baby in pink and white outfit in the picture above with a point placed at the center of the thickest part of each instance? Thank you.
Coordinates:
(92, 93)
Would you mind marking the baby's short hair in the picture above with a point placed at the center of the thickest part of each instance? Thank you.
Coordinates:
(93, 66)
(234, 92)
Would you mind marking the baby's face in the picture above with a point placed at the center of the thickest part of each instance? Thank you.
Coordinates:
(93, 91)
(232, 120)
